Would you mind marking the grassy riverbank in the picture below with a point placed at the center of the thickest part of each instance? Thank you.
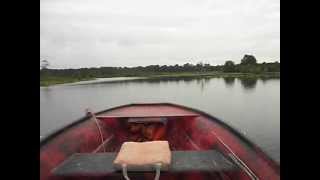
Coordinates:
(62, 80)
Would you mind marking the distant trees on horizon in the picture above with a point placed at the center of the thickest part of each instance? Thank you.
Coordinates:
(248, 65)
(248, 60)
(44, 64)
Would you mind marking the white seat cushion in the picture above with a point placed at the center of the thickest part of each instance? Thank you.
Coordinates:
(139, 156)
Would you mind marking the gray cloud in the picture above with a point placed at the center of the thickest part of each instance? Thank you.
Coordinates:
(87, 33)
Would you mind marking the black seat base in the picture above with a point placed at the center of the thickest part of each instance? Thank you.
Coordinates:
(101, 164)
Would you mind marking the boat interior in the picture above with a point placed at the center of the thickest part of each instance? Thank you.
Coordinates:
(201, 148)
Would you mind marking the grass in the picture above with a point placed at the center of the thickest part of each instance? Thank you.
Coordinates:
(62, 80)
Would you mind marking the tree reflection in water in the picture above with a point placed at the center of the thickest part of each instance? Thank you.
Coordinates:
(202, 81)
(229, 81)
(248, 83)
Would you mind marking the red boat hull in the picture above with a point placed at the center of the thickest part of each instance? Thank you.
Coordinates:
(187, 129)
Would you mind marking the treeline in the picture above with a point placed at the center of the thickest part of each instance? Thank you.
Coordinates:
(129, 71)
(248, 65)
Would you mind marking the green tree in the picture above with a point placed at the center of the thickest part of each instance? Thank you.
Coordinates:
(44, 64)
(248, 60)
(229, 66)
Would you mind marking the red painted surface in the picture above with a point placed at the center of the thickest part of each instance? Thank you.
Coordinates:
(183, 133)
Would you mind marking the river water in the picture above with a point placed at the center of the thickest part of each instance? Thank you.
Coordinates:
(252, 106)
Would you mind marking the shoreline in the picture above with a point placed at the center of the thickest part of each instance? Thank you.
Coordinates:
(59, 81)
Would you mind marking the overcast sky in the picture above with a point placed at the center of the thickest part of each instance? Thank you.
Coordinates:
(94, 33)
